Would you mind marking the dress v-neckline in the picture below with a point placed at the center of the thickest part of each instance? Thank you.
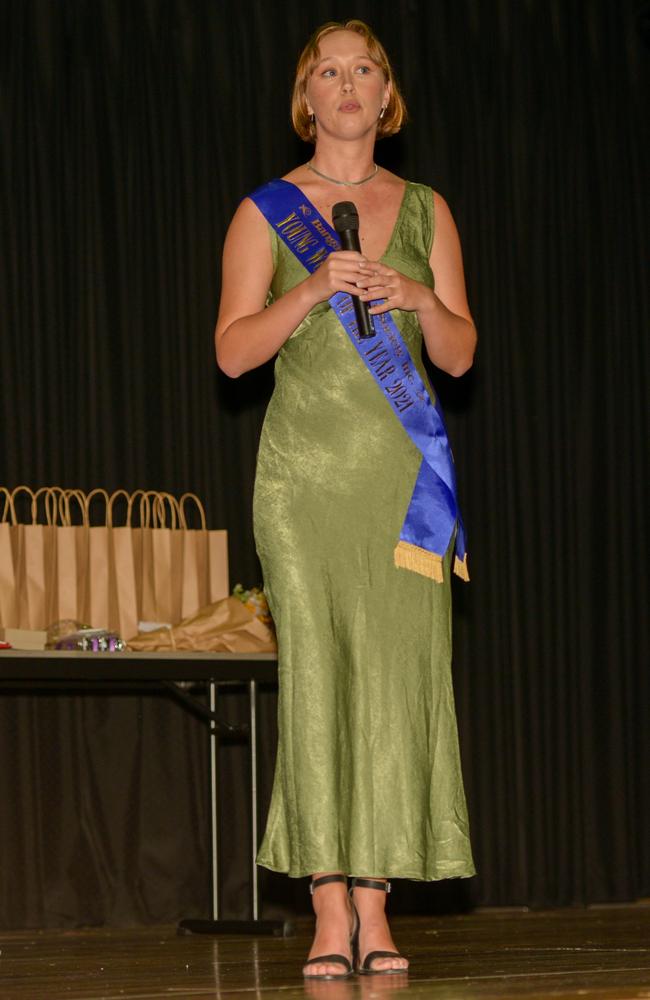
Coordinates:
(391, 238)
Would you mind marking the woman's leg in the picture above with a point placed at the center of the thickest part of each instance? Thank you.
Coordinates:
(334, 924)
(374, 932)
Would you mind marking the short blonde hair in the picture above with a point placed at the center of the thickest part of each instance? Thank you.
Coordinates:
(395, 114)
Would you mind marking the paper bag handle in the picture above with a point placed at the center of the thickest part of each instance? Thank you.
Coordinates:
(199, 506)
(162, 502)
(65, 518)
(109, 507)
(98, 491)
(9, 506)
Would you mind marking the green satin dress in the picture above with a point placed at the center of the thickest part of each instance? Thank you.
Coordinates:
(368, 777)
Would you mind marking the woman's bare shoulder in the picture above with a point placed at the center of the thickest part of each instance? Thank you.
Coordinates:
(247, 244)
(440, 205)
(247, 218)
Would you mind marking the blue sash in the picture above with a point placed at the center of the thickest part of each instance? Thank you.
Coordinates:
(433, 515)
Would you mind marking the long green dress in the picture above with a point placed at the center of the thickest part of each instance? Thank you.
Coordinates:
(368, 777)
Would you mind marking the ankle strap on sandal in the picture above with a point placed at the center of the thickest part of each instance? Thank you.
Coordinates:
(324, 879)
(370, 883)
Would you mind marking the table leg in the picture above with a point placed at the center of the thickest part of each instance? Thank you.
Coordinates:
(214, 800)
(252, 704)
(279, 928)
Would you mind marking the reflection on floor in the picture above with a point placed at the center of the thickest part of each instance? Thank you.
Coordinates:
(599, 952)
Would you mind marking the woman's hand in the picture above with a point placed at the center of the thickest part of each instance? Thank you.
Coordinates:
(341, 271)
(394, 288)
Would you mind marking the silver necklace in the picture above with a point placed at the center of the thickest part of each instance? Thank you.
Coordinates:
(333, 180)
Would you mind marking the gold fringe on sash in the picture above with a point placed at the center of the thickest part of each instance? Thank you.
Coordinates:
(460, 568)
(419, 560)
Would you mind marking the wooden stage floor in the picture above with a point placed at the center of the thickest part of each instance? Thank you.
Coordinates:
(599, 952)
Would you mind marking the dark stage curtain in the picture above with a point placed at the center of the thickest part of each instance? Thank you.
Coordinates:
(131, 130)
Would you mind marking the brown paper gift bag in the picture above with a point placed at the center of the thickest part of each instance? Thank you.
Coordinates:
(123, 573)
(8, 544)
(157, 548)
(34, 566)
(97, 608)
(68, 598)
(225, 626)
(205, 561)
(112, 586)
(166, 541)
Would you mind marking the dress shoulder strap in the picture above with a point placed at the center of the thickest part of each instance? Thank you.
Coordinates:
(413, 236)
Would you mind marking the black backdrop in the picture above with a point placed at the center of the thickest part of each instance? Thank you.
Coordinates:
(130, 130)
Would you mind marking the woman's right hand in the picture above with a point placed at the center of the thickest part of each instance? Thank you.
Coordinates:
(339, 272)
(248, 334)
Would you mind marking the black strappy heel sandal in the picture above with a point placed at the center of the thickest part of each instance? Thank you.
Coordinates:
(334, 959)
(365, 968)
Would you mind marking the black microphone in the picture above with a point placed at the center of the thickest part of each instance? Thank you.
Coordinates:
(346, 223)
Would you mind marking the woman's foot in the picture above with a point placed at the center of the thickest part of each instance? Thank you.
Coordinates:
(374, 932)
(334, 929)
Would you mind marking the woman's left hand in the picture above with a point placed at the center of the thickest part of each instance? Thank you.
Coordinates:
(394, 288)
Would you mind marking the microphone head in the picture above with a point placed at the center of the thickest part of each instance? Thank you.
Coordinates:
(345, 216)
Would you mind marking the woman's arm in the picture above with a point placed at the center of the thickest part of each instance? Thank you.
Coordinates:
(248, 334)
(447, 324)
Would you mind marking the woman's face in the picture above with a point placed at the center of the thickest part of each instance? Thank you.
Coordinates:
(346, 89)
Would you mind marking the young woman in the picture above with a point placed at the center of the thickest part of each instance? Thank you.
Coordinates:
(368, 781)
